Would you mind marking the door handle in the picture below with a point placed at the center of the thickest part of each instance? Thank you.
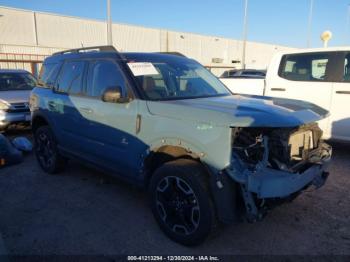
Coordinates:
(86, 110)
(278, 89)
(343, 92)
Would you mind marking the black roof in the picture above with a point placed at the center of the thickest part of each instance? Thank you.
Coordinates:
(102, 48)
(123, 56)
(108, 52)
(92, 54)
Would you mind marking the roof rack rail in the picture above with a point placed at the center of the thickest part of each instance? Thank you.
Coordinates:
(172, 53)
(105, 48)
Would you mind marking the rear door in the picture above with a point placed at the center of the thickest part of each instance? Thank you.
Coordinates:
(308, 77)
(340, 114)
(66, 103)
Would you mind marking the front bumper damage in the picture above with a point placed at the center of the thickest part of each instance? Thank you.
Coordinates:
(266, 184)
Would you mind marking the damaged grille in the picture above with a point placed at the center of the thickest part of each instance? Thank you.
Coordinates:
(288, 148)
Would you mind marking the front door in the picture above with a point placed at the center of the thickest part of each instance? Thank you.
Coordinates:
(111, 132)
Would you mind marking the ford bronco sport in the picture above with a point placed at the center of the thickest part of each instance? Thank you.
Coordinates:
(164, 122)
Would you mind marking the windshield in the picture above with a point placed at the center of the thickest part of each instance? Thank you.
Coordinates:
(16, 81)
(179, 79)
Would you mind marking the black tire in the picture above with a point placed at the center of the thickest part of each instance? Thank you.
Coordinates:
(46, 151)
(181, 201)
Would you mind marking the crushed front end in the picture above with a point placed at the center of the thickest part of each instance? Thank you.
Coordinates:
(273, 165)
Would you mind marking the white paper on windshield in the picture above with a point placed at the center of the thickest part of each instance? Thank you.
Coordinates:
(142, 69)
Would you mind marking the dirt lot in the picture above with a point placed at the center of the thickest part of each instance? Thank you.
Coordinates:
(84, 212)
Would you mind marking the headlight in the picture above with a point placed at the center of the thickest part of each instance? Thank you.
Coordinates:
(33, 102)
(4, 106)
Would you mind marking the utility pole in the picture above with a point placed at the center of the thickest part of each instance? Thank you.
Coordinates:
(109, 24)
(310, 24)
(244, 32)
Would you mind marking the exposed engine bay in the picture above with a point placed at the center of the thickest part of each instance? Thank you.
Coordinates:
(290, 149)
(273, 165)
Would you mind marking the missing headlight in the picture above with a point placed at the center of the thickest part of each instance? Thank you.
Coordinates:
(288, 148)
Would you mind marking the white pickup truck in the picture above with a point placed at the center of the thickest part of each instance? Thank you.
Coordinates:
(320, 76)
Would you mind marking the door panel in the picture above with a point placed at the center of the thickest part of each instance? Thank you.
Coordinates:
(74, 122)
(67, 118)
(340, 117)
(111, 135)
(111, 127)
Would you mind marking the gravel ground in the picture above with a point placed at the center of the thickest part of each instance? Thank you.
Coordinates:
(84, 212)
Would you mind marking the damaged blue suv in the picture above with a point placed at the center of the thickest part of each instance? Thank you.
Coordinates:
(162, 121)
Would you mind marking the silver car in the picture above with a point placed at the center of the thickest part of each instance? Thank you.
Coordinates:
(15, 87)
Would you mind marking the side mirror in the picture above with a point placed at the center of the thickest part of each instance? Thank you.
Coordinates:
(114, 95)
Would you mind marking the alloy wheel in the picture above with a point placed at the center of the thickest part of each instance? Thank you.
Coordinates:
(177, 205)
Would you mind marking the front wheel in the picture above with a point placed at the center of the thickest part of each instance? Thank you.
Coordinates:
(180, 201)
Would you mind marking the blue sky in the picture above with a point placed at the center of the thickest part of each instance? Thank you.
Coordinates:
(271, 21)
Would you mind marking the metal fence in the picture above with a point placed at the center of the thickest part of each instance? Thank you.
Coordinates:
(29, 62)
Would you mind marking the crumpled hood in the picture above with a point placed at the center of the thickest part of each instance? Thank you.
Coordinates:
(17, 96)
(240, 111)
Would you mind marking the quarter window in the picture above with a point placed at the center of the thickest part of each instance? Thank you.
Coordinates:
(70, 79)
(48, 74)
(305, 67)
(102, 75)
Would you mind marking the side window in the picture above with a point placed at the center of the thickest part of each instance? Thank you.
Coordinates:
(48, 74)
(318, 68)
(305, 67)
(70, 79)
(346, 75)
(103, 74)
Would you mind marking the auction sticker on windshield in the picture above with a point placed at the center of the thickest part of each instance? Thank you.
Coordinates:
(142, 69)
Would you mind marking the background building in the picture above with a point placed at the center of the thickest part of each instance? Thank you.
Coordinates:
(27, 37)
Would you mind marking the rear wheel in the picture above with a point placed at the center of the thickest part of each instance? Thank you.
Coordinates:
(181, 202)
(46, 151)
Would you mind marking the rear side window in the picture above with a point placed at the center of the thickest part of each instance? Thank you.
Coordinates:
(346, 74)
(48, 74)
(104, 74)
(305, 67)
(70, 79)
